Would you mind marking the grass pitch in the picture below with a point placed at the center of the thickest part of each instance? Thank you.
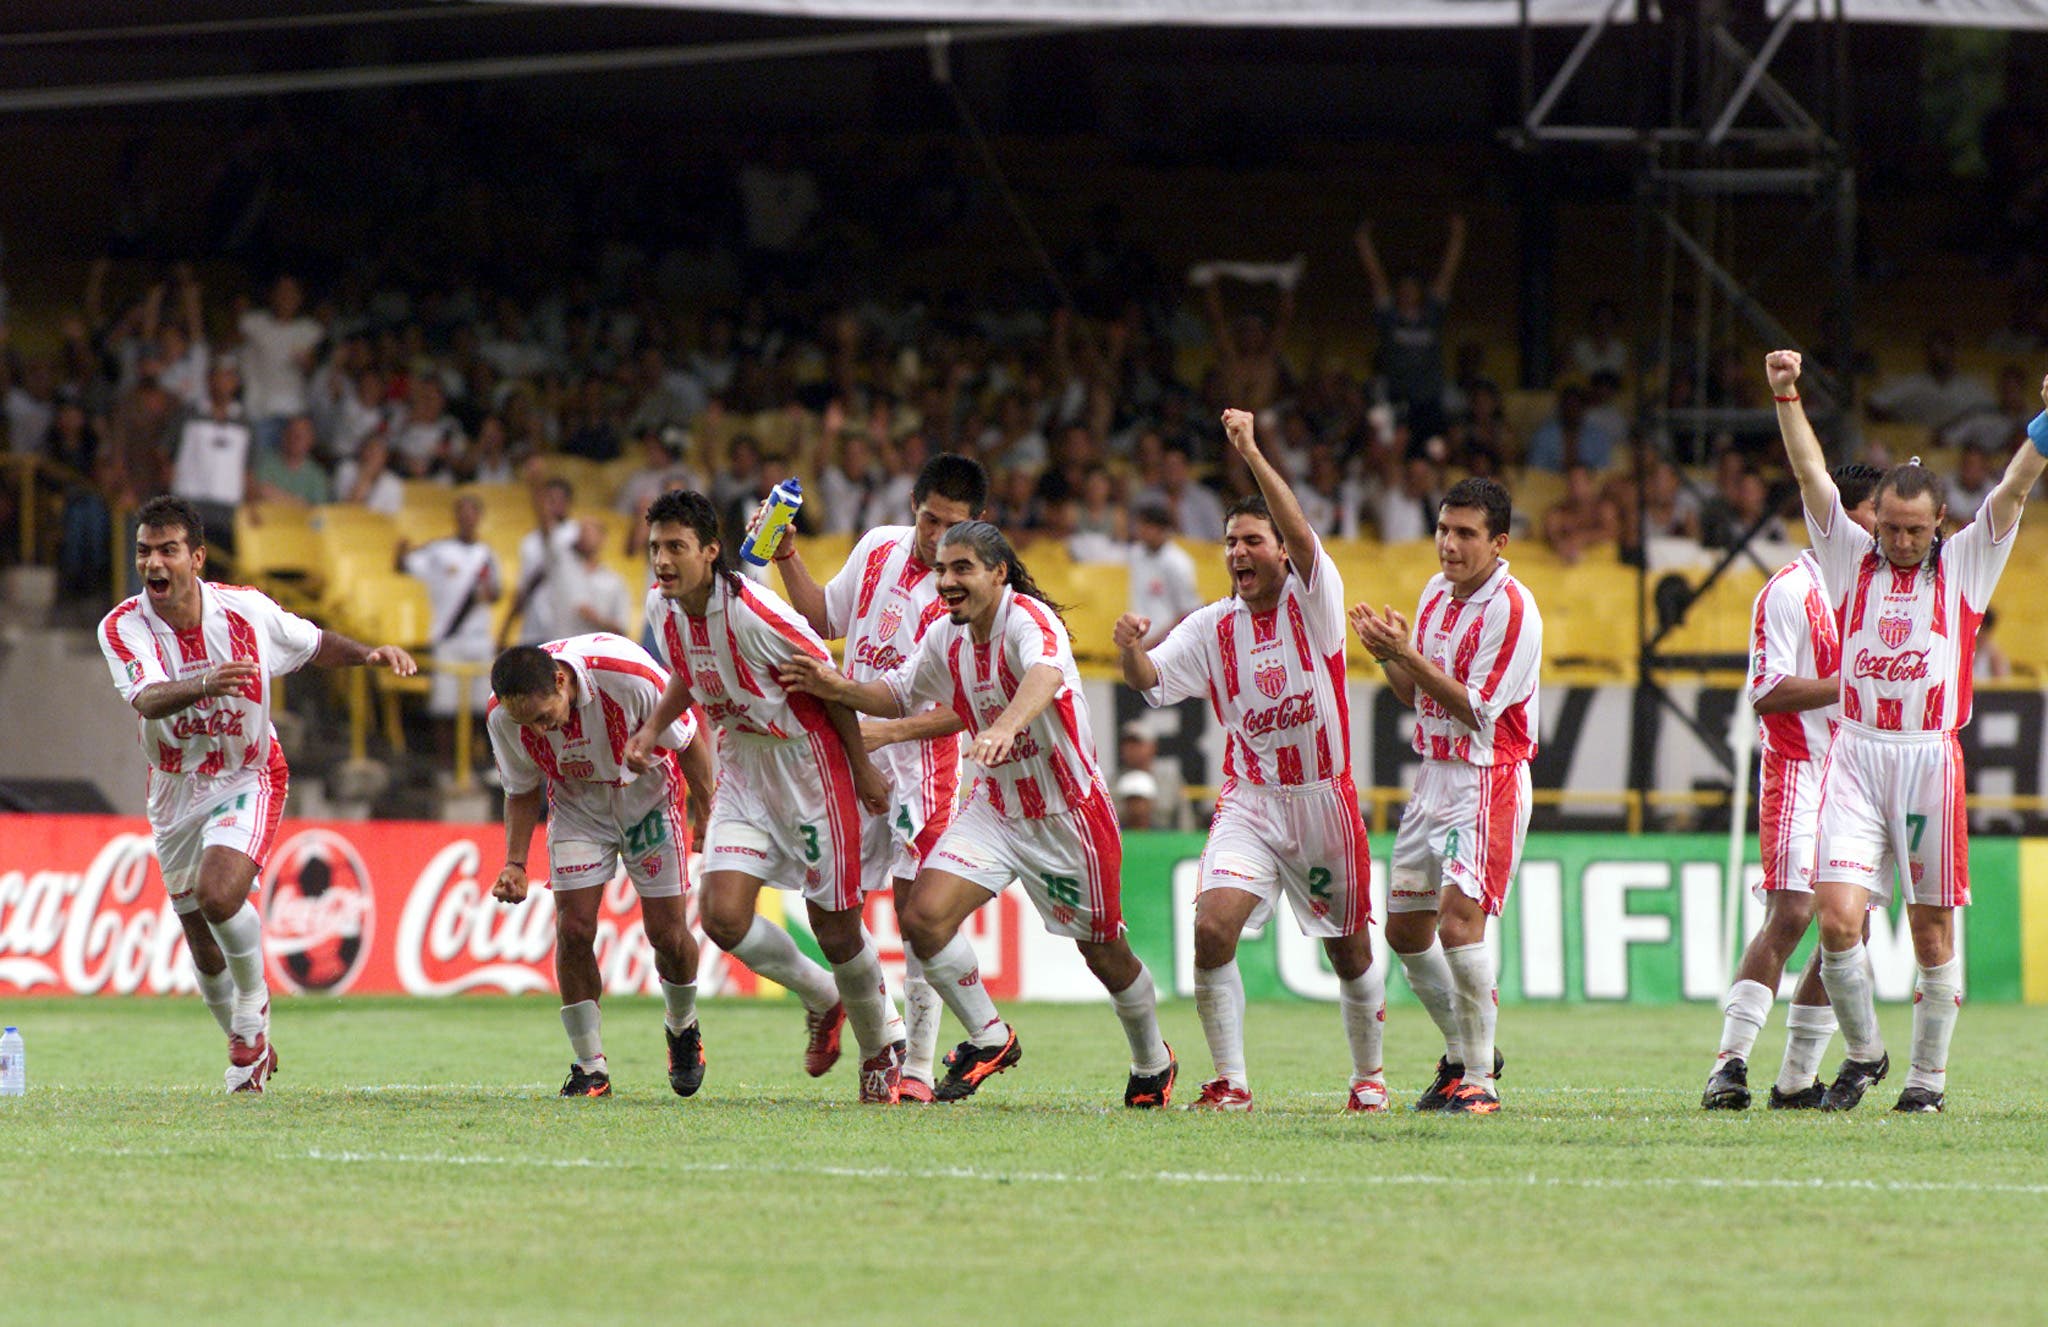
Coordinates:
(412, 1164)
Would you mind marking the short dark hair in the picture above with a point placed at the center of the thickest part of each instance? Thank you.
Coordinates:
(1489, 496)
(696, 513)
(951, 475)
(523, 670)
(168, 511)
(1252, 504)
(568, 489)
(1153, 513)
(1857, 482)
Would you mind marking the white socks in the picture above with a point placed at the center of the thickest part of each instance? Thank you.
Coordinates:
(769, 952)
(1808, 1029)
(1847, 977)
(241, 940)
(1747, 1006)
(865, 993)
(1219, 999)
(921, 1019)
(1429, 976)
(1137, 1008)
(582, 1022)
(1364, 1001)
(218, 990)
(679, 1005)
(955, 973)
(1937, 999)
(1472, 972)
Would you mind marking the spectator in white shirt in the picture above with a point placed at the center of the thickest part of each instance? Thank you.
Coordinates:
(366, 479)
(426, 438)
(212, 467)
(1163, 586)
(1600, 349)
(277, 357)
(547, 559)
(463, 581)
(1937, 396)
(1996, 430)
(1969, 485)
(1197, 512)
(595, 598)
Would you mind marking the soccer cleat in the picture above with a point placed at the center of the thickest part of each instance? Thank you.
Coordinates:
(821, 1052)
(582, 1084)
(1369, 1096)
(1811, 1097)
(1152, 1091)
(1472, 1099)
(250, 1064)
(1921, 1101)
(1852, 1080)
(1727, 1086)
(1450, 1073)
(685, 1060)
(881, 1078)
(970, 1064)
(1219, 1094)
(913, 1092)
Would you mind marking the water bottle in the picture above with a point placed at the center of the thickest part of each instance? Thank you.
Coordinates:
(783, 500)
(13, 1064)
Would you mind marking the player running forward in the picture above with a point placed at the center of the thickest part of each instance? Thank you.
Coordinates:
(1271, 661)
(1471, 672)
(560, 716)
(792, 781)
(881, 601)
(1040, 812)
(196, 660)
(1795, 652)
(1891, 789)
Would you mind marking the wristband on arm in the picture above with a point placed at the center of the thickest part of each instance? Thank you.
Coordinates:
(2037, 432)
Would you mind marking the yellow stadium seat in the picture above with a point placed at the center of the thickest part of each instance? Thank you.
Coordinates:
(1098, 593)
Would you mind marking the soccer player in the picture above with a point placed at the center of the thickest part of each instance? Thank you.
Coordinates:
(1891, 789)
(881, 601)
(195, 660)
(793, 780)
(1040, 811)
(560, 716)
(1470, 671)
(1270, 658)
(1795, 653)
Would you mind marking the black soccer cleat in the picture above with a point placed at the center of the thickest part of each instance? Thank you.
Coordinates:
(1921, 1101)
(1811, 1097)
(581, 1084)
(1727, 1086)
(1153, 1091)
(1450, 1073)
(1852, 1080)
(969, 1065)
(685, 1060)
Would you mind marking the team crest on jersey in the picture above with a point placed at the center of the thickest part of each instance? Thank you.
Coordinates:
(1271, 679)
(886, 624)
(578, 769)
(1894, 629)
(134, 671)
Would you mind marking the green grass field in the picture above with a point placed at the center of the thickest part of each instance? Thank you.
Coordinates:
(412, 1164)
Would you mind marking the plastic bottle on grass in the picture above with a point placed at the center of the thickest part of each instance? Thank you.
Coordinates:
(13, 1064)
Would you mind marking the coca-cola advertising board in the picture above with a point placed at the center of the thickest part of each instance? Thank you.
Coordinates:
(385, 908)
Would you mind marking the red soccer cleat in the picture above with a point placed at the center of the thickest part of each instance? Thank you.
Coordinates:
(1369, 1096)
(822, 1050)
(1219, 1094)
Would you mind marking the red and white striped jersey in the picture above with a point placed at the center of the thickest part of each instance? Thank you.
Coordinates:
(1909, 634)
(617, 687)
(217, 734)
(728, 659)
(1052, 766)
(1492, 642)
(1275, 680)
(1792, 634)
(882, 601)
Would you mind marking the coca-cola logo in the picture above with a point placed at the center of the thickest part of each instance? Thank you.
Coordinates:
(218, 723)
(881, 658)
(1271, 680)
(319, 912)
(1292, 712)
(1910, 666)
(1893, 630)
(91, 931)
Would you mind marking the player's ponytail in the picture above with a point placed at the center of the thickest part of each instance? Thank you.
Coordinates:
(993, 549)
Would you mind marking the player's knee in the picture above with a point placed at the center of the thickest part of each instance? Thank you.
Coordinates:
(1215, 941)
(574, 932)
(1786, 922)
(924, 928)
(1410, 932)
(671, 939)
(726, 924)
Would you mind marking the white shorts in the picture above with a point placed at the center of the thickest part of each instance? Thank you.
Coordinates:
(189, 814)
(772, 818)
(1464, 827)
(1070, 863)
(1308, 843)
(1787, 813)
(894, 847)
(592, 827)
(1893, 806)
